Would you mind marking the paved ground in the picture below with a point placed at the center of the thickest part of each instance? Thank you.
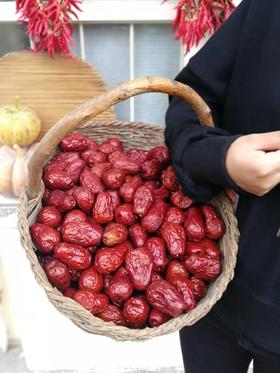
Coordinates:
(13, 362)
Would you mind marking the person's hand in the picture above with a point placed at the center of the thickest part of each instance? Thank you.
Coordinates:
(253, 162)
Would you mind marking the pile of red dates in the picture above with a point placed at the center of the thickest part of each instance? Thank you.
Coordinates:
(118, 236)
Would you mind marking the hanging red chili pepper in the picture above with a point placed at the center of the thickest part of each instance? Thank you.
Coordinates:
(196, 19)
(49, 23)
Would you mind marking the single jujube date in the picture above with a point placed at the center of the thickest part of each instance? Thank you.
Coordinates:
(74, 256)
(58, 274)
(136, 311)
(91, 280)
(114, 234)
(44, 237)
(50, 216)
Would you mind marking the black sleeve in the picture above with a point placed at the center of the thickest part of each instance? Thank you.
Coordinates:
(198, 152)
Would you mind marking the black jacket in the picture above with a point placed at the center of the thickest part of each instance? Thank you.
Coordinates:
(237, 73)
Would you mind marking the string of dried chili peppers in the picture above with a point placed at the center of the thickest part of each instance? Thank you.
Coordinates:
(49, 24)
(198, 18)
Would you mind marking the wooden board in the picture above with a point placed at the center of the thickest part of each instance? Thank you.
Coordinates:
(51, 87)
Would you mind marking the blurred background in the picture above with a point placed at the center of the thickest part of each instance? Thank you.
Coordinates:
(121, 40)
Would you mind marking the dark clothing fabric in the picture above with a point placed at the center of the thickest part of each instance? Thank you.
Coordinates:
(215, 345)
(237, 73)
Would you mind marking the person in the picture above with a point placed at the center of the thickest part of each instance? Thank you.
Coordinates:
(237, 73)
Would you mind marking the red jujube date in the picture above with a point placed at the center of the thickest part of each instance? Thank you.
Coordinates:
(61, 200)
(98, 169)
(124, 214)
(120, 160)
(143, 200)
(91, 181)
(157, 248)
(136, 311)
(169, 179)
(82, 233)
(214, 224)
(85, 198)
(203, 267)
(50, 216)
(205, 247)
(199, 288)
(113, 314)
(137, 235)
(114, 234)
(113, 178)
(58, 274)
(75, 216)
(174, 270)
(103, 209)
(139, 264)
(74, 256)
(93, 302)
(157, 318)
(138, 156)
(179, 200)
(194, 225)
(160, 153)
(115, 198)
(165, 297)
(128, 189)
(174, 215)
(151, 169)
(186, 289)
(108, 260)
(75, 142)
(57, 179)
(91, 280)
(92, 156)
(120, 289)
(111, 145)
(44, 237)
(174, 236)
(155, 216)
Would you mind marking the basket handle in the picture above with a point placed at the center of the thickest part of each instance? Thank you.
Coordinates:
(101, 103)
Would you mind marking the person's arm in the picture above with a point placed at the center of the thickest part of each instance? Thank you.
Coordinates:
(199, 152)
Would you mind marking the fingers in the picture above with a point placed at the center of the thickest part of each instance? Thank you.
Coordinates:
(268, 141)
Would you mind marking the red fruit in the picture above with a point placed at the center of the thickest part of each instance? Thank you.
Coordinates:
(85, 198)
(108, 260)
(205, 247)
(165, 298)
(198, 287)
(70, 292)
(186, 289)
(120, 160)
(161, 193)
(155, 216)
(174, 236)
(91, 181)
(124, 214)
(114, 234)
(93, 302)
(157, 248)
(179, 200)
(169, 179)
(61, 161)
(106, 283)
(113, 314)
(58, 179)
(82, 233)
(75, 168)
(116, 199)
(113, 178)
(174, 215)
(61, 200)
(100, 168)
(174, 270)
(57, 274)
(74, 142)
(194, 225)
(44, 237)
(120, 289)
(139, 264)
(103, 209)
(157, 318)
(156, 276)
(75, 216)
(143, 200)
(111, 145)
(92, 156)
(50, 216)
(160, 153)
(91, 280)
(151, 184)
(136, 311)
(203, 267)
(151, 169)
(214, 225)
(128, 189)
(74, 256)
(138, 156)
(137, 235)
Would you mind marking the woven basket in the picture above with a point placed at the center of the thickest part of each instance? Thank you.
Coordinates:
(143, 137)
